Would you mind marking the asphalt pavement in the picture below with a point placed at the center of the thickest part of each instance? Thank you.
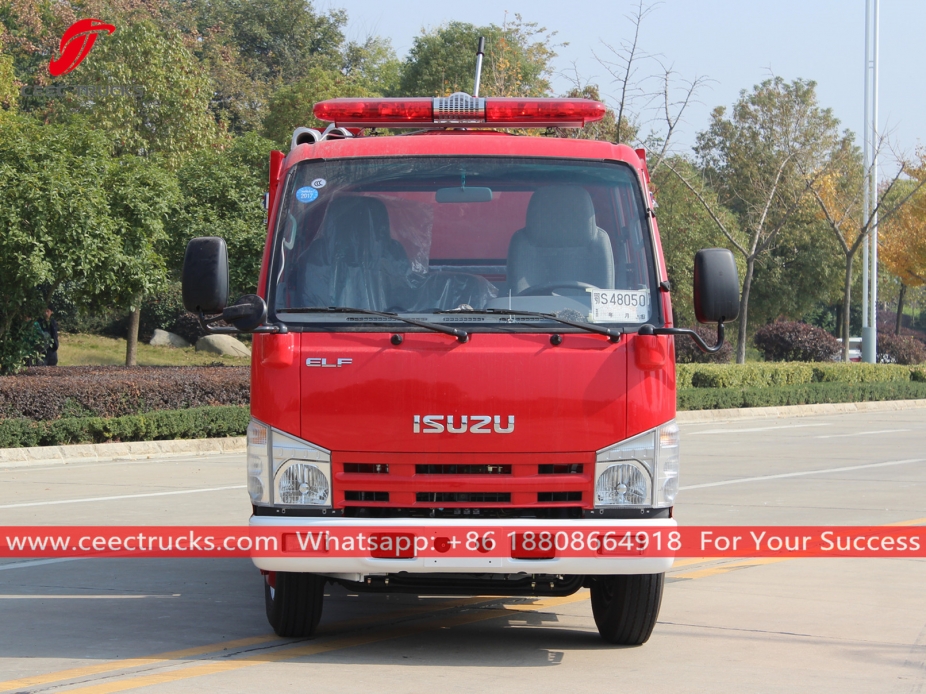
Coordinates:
(744, 625)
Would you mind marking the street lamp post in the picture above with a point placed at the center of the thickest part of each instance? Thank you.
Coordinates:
(871, 147)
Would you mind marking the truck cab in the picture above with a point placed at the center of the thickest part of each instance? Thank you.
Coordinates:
(458, 326)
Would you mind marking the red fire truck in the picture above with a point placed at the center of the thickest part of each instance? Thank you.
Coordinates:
(462, 325)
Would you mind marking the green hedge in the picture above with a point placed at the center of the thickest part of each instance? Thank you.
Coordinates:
(193, 423)
(803, 394)
(780, 374)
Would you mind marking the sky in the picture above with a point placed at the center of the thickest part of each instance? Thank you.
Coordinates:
(734, 43)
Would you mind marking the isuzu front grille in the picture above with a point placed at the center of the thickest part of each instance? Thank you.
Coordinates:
(463, 482)
(558, 496)
(462, 469)
(464, 497)
(366, 496)
(366, 468)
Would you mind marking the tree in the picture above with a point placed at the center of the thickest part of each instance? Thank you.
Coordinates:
(68, 217)
(170, 117)
(753, 162)
(373, 64)
(517, 62)
(902, 243)
(252, 47)
(839, 194)
(685, 227)
(9, 99)
(291, 106)
(656, 91)
(221, 193)
(141, 197)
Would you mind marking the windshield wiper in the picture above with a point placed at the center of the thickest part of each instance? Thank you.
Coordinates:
(461, 335)
(612, 335)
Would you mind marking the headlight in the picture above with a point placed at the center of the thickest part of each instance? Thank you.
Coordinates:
(303, 484)
(301, 472)
(258, 467)
(285, 470)
(623, 484)
(641, 471)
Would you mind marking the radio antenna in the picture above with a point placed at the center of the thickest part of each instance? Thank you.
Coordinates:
(479, 54)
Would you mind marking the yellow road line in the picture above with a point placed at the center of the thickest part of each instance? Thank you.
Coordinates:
(688, 562)
(74, 673)
(112, 666)
(310, 649)
(725, 568)
(915, 521)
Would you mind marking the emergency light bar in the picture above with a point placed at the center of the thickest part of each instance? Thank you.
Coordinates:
(460, 110)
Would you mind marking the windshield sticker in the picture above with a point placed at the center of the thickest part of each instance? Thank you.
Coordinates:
(306, 194)
(619, 305)
(319, 183)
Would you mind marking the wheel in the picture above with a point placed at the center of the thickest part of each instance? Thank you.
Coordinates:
(294, 602)
(626, 607)
(541, 289)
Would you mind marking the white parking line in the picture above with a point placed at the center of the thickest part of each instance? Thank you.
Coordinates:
(762, 478)
(36, 562)
(860, 433)
(83, 597)
(737, 431)
(123, 496)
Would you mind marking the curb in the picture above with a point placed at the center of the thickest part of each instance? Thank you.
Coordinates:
(135, 450)
(736, 414)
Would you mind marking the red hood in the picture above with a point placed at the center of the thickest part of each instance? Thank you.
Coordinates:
(571, 397)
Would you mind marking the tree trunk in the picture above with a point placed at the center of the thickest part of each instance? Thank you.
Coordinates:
(903, 290)
(131, 346)
(846, 298)
(744, 310)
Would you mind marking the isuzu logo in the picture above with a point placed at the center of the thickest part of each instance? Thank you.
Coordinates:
(463, 424)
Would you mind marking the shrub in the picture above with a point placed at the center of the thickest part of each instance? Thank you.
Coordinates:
(841, 372)
(793, 341)
(200, 422)
(750, 375)
(804, 394)
(687, 352)
(900, 349)
(113, 391)
(772, 374)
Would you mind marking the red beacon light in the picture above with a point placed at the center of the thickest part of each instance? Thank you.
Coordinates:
(460, 110)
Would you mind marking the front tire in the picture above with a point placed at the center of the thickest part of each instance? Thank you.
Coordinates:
(294, 602)
(626, 607)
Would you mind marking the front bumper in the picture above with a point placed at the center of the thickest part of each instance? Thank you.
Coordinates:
(361, 565)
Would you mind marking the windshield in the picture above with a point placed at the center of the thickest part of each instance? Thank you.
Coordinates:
(422, 236)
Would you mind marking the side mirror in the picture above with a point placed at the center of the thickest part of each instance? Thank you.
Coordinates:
(205, 275)
(246, 314)
(716, 286)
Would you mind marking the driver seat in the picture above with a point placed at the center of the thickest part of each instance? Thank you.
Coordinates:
(560, 243)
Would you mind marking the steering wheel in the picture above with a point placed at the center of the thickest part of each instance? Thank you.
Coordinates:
(542, 289)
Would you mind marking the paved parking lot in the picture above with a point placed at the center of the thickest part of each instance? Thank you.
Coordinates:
(184, 625)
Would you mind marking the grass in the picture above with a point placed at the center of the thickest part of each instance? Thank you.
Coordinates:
(95, 350)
